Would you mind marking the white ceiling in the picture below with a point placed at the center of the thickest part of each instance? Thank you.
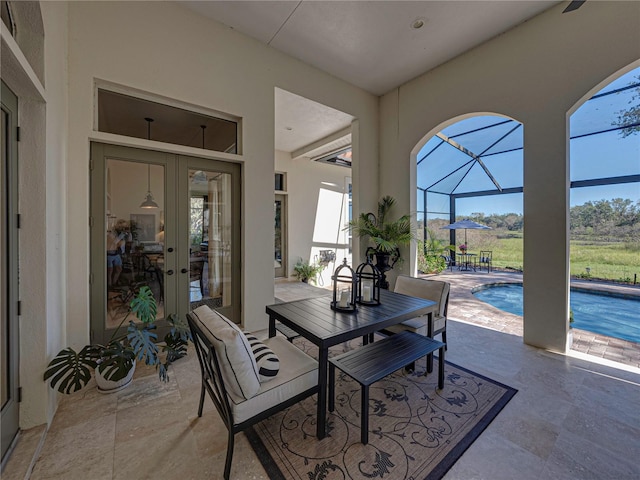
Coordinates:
(370, 44)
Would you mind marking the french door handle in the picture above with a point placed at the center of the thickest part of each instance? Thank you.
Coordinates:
(169, 272)
(184, 270)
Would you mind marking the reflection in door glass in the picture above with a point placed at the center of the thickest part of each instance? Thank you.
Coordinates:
(210, 239)
(278, 234)
(134, 245)
(4, 313)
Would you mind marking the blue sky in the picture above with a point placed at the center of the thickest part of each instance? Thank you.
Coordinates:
(592, 157)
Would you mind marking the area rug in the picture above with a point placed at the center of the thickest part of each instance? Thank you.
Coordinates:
(415, 430)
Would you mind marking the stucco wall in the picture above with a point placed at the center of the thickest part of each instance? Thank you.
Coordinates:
(42, 116)
(318, 201)
(537, 73)
(185, 57)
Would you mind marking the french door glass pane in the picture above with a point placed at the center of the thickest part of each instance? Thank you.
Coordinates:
(134, 248)
(4, 314)
(210, 228)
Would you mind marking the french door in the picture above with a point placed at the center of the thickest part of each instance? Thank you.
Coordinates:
(9, 357)
(168, 222)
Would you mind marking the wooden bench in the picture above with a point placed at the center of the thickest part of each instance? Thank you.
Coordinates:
(375, 361)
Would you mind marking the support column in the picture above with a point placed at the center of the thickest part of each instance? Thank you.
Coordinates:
(546, 231)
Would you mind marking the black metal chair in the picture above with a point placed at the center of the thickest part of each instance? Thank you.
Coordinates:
(298, 375)
(486, 258)
(448, 261)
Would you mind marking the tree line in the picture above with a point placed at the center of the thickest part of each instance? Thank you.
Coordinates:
(617, 219)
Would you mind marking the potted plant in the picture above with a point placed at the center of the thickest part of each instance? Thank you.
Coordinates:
(115, 362)
(306, 271)
(387, 236)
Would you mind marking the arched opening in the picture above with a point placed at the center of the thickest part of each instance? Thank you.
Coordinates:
(472, 169)
(605, 204)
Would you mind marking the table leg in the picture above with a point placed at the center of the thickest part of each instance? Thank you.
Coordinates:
(430, 335)
(332, 387)
(272, 326)
(441, 369)
(364, 413)
(323, 356)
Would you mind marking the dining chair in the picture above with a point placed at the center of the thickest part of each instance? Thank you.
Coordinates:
(232, 377)
(485, 258)
(434, 290)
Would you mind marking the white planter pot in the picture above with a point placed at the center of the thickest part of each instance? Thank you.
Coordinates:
(110, 386)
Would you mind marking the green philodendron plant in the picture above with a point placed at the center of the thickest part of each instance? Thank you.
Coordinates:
(71, 371)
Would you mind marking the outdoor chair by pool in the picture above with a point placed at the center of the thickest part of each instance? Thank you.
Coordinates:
(448, 260)
(435, 290)
(242, 388)
(485, 259)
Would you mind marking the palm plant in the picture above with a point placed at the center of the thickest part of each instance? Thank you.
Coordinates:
(386, 235)
(432, 254)
(71, 371)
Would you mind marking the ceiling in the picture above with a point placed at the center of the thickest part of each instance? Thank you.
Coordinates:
(371, 44)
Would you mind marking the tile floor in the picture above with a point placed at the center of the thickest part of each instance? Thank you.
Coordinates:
(574, 417)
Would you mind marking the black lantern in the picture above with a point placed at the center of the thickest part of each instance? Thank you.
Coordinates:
(344, 289)
(368, 278)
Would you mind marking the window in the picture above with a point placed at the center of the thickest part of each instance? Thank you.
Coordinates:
(7, 17)
(126, 115)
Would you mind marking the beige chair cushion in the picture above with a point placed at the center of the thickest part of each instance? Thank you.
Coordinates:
(298, 373)
(237, 363)
(418, 325)
(434, 290)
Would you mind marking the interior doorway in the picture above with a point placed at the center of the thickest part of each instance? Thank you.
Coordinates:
(169, 222)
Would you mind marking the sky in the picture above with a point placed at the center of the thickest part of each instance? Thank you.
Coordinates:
(594, 156)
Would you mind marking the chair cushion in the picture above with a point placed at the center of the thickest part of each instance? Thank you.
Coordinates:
(267, 361)
(418, 325)
(237, 363)
(434, 290)
(298, 373)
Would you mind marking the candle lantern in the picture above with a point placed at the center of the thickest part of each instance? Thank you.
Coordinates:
(368, 279)
(344, 289)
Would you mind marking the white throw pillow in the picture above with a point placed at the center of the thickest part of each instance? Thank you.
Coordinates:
(267, 361)
(237, 363)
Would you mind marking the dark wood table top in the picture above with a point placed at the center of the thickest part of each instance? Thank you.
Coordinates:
(314, 319)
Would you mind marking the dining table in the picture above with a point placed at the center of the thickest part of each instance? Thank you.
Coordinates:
(466, 261)
(316, 321)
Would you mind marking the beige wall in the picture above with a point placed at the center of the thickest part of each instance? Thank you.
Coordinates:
(318, 200)
(537, 74)
(185, 57)
(42, 116)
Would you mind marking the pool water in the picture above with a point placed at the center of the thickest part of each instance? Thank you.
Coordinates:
(613, 316)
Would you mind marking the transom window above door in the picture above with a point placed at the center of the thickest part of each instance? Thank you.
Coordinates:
(123, 114)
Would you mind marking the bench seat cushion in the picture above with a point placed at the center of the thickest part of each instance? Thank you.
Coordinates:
(298, 372)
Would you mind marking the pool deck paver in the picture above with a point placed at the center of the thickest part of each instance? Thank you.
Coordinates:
(465, 306)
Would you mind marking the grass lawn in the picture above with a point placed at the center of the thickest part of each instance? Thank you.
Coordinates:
(613, 261)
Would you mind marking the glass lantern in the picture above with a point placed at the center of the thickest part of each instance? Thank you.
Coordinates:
(344, 289)
(368, 278)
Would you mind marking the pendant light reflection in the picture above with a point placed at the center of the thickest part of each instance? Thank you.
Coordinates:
(149, 202)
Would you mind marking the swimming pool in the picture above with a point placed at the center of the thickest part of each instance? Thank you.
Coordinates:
(603, 313)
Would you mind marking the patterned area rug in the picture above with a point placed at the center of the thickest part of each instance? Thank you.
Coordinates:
(416, 431)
